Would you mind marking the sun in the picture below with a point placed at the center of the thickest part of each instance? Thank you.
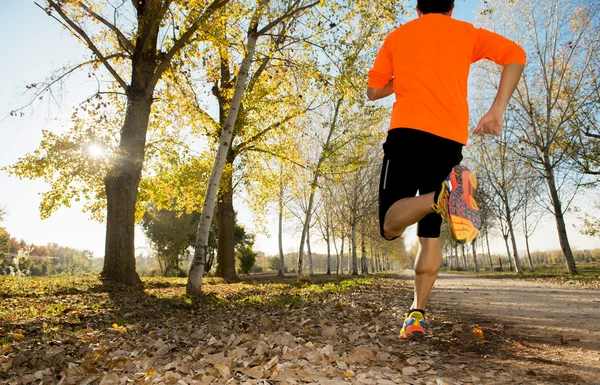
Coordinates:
(95, 150)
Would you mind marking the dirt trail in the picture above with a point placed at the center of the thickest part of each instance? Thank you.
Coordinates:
(558, 323)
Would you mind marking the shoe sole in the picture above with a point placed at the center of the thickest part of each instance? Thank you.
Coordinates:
(413, 332)
(464, 214)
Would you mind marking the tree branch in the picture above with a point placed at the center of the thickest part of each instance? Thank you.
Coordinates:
(272, 24)
(186, 37)
(88, 42)
(125, 43)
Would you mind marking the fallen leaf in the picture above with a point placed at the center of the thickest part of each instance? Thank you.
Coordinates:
(478, 333)
(255, 372)
(409, 371)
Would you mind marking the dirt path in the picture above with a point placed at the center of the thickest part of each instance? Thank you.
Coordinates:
(559, 325)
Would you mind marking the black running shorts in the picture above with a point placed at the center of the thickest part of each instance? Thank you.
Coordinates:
(415, 161)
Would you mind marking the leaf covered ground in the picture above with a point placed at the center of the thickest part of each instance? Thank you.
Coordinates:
(74, 330)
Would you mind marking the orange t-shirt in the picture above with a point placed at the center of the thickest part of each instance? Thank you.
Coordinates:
(429, 59)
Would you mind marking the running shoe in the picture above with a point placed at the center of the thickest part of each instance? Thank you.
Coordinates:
(441, 206)
(464, 219)
(414, 325)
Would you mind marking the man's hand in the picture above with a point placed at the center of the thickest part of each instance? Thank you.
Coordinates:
(490, 123)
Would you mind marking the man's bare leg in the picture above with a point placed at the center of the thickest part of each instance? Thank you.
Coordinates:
(427, 266)
(406, 212)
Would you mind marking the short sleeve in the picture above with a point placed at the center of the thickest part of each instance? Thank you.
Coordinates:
(497, 48)
(382, 71)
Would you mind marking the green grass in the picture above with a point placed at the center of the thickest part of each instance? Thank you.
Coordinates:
(74, 297)
(589, 271)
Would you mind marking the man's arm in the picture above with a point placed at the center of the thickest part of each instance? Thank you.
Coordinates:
(509, 54)
(491, 123)
(380, 93)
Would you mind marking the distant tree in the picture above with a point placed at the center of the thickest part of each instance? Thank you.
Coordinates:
(172, 234)
(244, 251)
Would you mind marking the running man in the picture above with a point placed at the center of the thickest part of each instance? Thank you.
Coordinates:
(426, 63)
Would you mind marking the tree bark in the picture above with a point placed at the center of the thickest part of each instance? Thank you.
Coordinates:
(475, 265)
(328, 256)
(487, 240)
(354, 256)
(363, 248)
(529, 254)
(560, 221)
(226, 218)
(516, 260)
(510, 265)
(340, 266)
(309, 252)
(194, 285)
(121, 183)
(280, 234)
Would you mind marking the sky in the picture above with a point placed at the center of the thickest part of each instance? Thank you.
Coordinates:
(33, 46)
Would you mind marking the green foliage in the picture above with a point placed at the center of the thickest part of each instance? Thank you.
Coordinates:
(172, 234)
(246, 256)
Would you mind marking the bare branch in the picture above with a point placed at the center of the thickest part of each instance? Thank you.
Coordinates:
(88, 42)
(287, 15)
(125, 43)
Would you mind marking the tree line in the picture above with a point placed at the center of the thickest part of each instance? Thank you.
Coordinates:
(201, 101)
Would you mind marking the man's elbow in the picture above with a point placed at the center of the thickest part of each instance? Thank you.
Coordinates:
(372, 94)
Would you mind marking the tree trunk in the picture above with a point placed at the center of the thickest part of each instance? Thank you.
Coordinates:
(529, 253)
(340, 266)
(487, 240)
(482, 256)
(121, 183)
(314, 184)
(475, 265)
(560, 222)
(280, 234)
(310, 259)
(457, 260)
(363, 248)
(337, 252)
(354, 256)
(373, 259)
(226, 218)
(516, 260)
(508, 251)
(328, 256)
(194, 285)
(464, 257)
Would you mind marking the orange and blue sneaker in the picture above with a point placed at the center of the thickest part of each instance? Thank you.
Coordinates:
(464, 220)
(414, 324)
(442, 202)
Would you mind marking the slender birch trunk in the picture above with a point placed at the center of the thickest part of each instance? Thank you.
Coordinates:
(194, 285)
(280, 232)
(314, 184)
